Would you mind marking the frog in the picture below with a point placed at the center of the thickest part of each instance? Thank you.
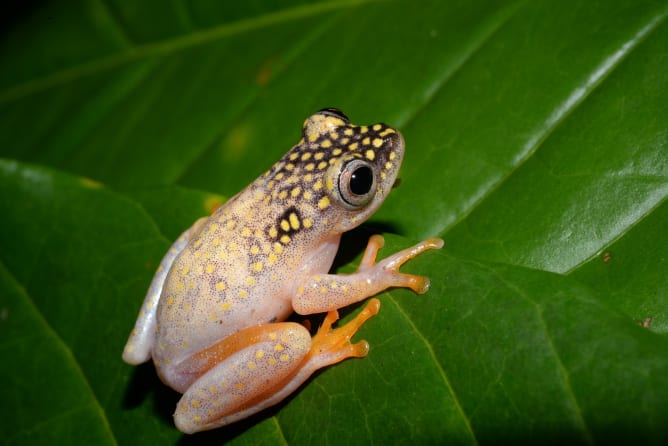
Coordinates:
(214, 319)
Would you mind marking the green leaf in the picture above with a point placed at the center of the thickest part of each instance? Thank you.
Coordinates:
(536, 147)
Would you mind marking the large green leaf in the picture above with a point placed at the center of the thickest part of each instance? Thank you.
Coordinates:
(536, 147)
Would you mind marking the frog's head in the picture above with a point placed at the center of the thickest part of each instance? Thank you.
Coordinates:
(362, 163)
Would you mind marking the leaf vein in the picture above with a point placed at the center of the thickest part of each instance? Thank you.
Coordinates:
(169, 46)
(435, 360)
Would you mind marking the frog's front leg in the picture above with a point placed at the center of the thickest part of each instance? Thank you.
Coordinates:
(138, 348)
(327, 292)
(259, 366)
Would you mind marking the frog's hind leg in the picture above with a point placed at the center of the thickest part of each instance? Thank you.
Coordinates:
(275, 360)
(237, 373)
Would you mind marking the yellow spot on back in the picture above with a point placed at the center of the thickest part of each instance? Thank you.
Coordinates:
(353, 146)
(294, 193)
(323, 203)
(210, 268)
(251, 365)
(259, 354)
(317, 185)
(284, 358)
(272, 258)
(326, 144)
(377, 127)
(194, 403)
(366, 141)
(285, 239)
(273, 232)
(243, 294)
(250, 281)
(294, 221)
(220, 286)
(285, 225)
(370, 154)
(377, 142)
(255, 250)
(257, 266)
(307, 221)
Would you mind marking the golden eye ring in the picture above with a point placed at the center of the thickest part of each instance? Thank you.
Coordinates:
(357, 183)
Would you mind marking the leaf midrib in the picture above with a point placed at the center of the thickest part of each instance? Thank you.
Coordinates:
(170, 46)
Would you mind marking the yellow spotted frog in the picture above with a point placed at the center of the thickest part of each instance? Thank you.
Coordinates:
(212, 318)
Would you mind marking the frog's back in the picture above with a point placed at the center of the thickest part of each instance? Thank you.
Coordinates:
(219, 283)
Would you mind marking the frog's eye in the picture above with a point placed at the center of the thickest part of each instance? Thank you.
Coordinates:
(357, 183)
(336, 113)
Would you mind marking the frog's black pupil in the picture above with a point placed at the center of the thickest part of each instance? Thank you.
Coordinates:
(361, 180)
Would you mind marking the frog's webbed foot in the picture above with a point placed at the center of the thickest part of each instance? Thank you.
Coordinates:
(332, 345)
(387, 270)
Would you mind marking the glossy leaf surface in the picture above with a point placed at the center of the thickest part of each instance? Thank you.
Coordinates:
(536, 147)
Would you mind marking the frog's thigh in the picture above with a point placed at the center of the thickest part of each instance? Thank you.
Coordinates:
(242, 377)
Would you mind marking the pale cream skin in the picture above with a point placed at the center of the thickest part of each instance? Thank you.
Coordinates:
(211, 320)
